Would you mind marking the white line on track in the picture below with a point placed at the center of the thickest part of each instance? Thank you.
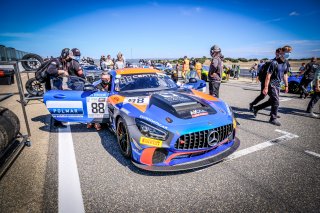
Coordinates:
(313, 153)
(287, 136)
(284, 99)
(69, 189)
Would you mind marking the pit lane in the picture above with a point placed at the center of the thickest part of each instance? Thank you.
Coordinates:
(280, 177)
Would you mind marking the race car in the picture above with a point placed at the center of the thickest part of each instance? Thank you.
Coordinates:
(91, 72)
(294, 84)
(205, 71)
(193, 81)
(159, 126)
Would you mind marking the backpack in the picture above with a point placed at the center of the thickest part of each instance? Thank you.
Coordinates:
(262, 72)
(41, 73)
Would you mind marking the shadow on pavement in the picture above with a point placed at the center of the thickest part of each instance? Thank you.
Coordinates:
(244, 113)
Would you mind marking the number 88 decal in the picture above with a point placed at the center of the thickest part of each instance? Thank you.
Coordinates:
(97, 107)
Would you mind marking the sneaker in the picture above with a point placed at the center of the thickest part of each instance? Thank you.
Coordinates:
(275, 122)
(312, 115)
(278, 116)
(255, 111)
(306, 95)
(250, 107)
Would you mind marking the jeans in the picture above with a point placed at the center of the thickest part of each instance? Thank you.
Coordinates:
(273, 101)
(314, 99)
(304, 85)
(214, 88)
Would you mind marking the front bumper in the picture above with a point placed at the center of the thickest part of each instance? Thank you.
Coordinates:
(193, 164)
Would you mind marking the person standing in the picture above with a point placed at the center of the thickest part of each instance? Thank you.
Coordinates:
(198, 67)
(185, 67)
(308, 76)
(253, 71)
(120, 64)
(215, 71)
(73, 66)
(316, 95)
(262, 68)
(278, 69)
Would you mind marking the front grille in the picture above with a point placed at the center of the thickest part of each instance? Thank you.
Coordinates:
(199, 140)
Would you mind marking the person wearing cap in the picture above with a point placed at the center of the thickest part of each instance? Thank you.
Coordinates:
(277, 71)
(73, 66)
(104, 84)
(56, 70)
(215, 71)
(309, 73)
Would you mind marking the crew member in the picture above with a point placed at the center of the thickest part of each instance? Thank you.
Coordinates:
(262, 81)
(198, 67)
(278, 69)
(316, 95)
(102, 85)
(185, 67)
(56, 69)
(308, 76)
(215, 71)
(73, 66)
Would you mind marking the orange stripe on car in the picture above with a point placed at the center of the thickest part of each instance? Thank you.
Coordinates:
(146, 156)
(127, 71)
(115, 99)
(204, 96)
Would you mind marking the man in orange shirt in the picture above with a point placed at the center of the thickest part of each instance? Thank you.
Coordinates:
(198, 68)
(185, 67)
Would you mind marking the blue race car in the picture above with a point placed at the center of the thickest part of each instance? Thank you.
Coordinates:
(293, 84)
(91, 72)
(193, 81)
(158, 125)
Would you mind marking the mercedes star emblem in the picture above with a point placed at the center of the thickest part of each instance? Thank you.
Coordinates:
(213, 138)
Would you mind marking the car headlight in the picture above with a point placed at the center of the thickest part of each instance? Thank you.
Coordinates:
(150, 130)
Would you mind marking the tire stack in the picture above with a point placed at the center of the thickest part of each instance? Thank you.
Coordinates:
(32, 63)
(9, 127)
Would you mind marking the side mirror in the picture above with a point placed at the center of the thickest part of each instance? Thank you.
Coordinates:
(192, 80)
(88, 87)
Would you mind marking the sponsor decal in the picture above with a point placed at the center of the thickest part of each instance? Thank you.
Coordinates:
(71, 111)
(65, 108)
(97, 108)
(150, 142)
(198, 112)
(153, 121)
(137, 100)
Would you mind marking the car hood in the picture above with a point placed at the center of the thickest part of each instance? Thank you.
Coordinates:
(175, 108)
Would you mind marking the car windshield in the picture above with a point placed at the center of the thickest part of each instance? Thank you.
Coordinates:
(205, 68)
(141, 82)
(192, 74)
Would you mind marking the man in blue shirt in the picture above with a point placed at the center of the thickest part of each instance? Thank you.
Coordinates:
(278, 69)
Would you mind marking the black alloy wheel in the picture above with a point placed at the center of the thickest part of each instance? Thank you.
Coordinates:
(123, 138)
(34, 87)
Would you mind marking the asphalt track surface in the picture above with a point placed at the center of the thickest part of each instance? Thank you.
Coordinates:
(281, 173)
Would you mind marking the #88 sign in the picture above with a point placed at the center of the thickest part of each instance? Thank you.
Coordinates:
(97, 107)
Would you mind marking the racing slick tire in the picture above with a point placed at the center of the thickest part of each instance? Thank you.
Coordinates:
(33, 63)
(9, 126)
(123, 138)
(34, 87)
(4, 139)
(294, 87)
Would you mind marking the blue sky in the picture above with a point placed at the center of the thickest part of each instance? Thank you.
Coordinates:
(162, 29)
